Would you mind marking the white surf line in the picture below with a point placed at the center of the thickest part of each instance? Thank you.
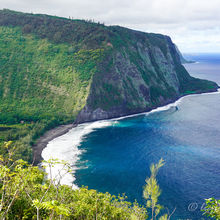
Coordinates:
(165, 107)
(65, 147)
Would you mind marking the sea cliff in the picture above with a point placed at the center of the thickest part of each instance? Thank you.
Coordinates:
(143, 72)
(57, 71)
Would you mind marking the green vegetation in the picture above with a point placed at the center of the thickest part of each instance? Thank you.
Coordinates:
(51, 68)
(79, 33)
(190, 85)
(42, 84)
(47, 66)
(40, 80)
(212, 208)
(152, 192)
(19, 133)
(26, 194)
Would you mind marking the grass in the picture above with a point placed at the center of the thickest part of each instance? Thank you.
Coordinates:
(42, 84)
(52, 67)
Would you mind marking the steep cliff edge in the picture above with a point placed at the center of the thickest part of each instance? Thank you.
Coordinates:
(182, 59)
(142, 72)
(55, 70)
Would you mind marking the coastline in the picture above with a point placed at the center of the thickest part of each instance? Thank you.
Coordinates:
(62, 142)
(166, 105)
(50, 135)
(46, 138)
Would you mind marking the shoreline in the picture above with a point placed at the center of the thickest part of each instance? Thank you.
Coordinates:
(46, 138)
(43, 141)
(168, 104)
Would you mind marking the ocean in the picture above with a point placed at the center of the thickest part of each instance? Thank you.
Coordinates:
(115, 155)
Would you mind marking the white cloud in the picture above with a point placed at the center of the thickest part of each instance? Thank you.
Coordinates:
(192, 24)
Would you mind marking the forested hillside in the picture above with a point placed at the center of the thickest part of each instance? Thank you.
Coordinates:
(54, 68)
(45, 77)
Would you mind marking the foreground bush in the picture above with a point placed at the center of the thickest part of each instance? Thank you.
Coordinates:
(212, 208)
(26, 194)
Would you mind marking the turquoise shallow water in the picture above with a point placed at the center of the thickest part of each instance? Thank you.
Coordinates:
(116, 158)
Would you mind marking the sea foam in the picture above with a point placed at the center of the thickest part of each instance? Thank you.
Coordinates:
(165, 107)
(66, 146)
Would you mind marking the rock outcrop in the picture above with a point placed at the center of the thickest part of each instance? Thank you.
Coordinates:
(56, 70)
(142, 73)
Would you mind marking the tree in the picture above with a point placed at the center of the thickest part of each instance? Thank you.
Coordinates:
(26, 193)
(27, 28)
(57, 37)
(22, 181)
(212, 208)
(47, 196)
(152, 192)
(10, 179)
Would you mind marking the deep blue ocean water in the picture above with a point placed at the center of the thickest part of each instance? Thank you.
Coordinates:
(118, 157)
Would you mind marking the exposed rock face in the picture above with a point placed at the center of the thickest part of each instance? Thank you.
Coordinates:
(182, 59)
(86, 69)
(142, 74)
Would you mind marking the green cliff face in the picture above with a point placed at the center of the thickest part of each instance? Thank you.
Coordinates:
(40, 79)
(142, 71)
(53, 68)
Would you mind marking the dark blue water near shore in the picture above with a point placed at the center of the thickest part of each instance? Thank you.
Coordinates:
(188, 139)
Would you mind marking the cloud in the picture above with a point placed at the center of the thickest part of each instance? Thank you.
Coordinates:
(192, 24)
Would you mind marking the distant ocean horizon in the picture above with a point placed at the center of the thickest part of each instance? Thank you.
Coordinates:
(115, 155)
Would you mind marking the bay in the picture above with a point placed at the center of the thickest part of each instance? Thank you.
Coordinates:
(116, 158)
(115, 155)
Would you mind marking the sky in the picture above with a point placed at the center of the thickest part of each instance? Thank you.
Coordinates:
(194, 25)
